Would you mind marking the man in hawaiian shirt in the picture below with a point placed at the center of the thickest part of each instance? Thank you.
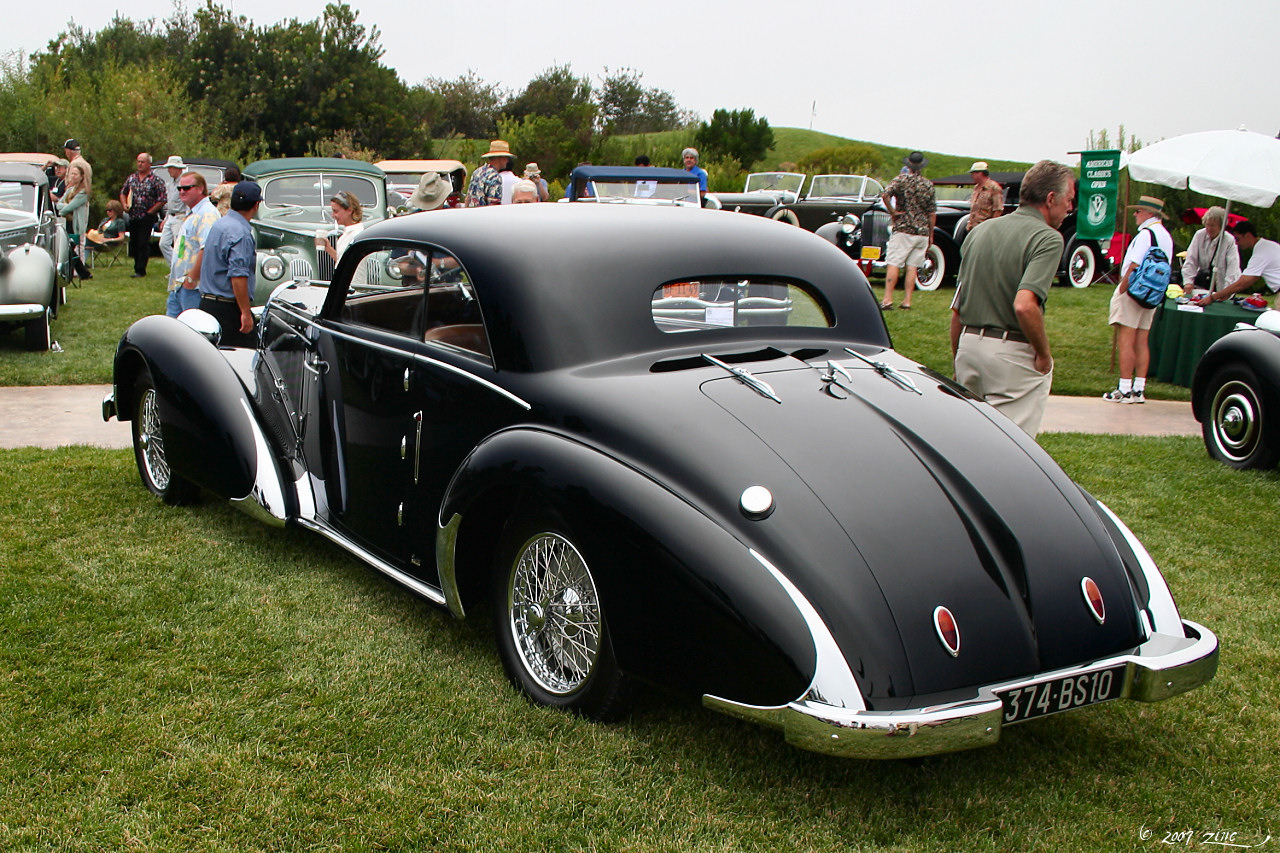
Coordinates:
(188, 250)
(142, 195)
(913, 212)
(987, 200)
(485, 187)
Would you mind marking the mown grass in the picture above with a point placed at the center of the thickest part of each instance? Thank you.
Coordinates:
(185, 679)
(87, 328)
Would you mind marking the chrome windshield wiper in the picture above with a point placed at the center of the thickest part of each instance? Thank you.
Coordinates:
(887, 372)
(758, 385)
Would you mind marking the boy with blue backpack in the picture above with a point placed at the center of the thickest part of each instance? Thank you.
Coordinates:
(1144, 277)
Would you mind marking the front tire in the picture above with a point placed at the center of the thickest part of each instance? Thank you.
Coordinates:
(553, 638)
(1237, 425)
(149, 449)
(1082, 266)
(37, 333)
(933, 270)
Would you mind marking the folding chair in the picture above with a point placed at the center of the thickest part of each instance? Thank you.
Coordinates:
(111, 252)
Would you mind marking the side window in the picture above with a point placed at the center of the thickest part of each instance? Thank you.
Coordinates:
(417, 292)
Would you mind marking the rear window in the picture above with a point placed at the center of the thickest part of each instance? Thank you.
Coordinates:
(732, 301)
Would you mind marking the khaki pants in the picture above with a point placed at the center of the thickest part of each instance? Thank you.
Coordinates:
(1004, 374)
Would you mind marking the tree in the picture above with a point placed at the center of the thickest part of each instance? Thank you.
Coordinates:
(556, 92)
(469, 107)
(627, 107)
(737, 134)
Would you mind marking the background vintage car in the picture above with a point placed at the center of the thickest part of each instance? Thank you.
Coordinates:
(865, 239)
(1235, 395)
(674, 449)
(403, 177)
(33, 249)
(633, 185)
(295, 206)
(777, 195)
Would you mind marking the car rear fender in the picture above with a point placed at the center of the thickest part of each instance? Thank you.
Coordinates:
(688, 604)
(1257, 348)
(211, 429)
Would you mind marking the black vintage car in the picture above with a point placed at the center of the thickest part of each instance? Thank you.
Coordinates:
(864, 238)
(1235, 395)
(668, 447)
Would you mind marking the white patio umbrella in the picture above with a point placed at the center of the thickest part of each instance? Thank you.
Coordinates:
(1237, 165)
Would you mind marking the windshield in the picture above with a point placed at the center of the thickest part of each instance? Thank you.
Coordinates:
(654, 192)
(774, 182)
(17, 197)
(845, 186)
(306, 197)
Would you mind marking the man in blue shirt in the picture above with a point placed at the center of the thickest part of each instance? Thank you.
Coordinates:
(227, 268)
(690, 156)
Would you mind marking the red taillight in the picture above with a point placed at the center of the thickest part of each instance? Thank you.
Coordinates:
(1093, 598)
(948, 630)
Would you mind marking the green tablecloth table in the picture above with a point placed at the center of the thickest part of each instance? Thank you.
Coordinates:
(1179, 338)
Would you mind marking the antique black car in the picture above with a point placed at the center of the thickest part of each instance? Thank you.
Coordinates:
(668, 447)
(777, 195)
(1235, 395)
(643, 185)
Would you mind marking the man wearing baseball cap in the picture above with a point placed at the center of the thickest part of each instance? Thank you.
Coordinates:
(987, 200)
(227, 270)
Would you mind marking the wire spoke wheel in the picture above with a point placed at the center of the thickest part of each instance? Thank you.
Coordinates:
(554, 614)
(151, 442)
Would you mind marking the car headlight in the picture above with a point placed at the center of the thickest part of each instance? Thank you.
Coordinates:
(273, 268)
(848, 223)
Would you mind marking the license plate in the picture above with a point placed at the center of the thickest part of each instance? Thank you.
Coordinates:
(1062, 694)
(871, 253)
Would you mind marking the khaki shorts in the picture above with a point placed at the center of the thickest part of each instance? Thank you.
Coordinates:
(906, 250)
(1125, 311)
(1004, 374)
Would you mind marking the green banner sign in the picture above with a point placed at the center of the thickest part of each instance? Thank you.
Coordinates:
(1099, 190)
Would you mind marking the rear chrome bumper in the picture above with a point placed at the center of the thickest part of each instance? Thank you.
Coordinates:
(1163, 666)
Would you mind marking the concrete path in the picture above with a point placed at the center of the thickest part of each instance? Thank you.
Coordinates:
(59, 415)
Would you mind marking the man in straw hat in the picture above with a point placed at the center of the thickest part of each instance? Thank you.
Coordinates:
(1131, 320)
(485, 187)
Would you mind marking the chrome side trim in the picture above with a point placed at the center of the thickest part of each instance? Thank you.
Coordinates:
(265, 501)
(1164, 666)
(446, 565)
(425, 590)
(833, 682)
(1160, 605)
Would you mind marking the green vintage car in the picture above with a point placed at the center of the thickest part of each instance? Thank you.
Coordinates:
(295, 208)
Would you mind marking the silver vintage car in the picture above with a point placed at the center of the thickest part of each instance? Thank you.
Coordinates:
(33, 249)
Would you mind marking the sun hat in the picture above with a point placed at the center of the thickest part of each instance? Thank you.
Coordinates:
(915, 160)
(498, 148)
(1150, 204)
(433, 189)
(531, 170)
(174, 162)
(980, 166)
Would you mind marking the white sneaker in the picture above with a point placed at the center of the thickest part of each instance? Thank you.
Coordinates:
(1137, 397)
(1117, 396)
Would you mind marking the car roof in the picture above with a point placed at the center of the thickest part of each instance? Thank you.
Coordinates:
(209, 161)
(633, 173)
(27, 157)
(419, 165)
(572, 284)
(23, 173)
(266, 168)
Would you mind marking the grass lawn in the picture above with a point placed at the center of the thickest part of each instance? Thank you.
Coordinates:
(188, 680)
(87, 328)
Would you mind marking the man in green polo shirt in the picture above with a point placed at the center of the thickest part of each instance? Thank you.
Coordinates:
(998, 340)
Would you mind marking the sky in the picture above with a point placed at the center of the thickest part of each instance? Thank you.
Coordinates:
(992, 79)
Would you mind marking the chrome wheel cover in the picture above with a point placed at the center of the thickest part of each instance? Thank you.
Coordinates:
(1236, 420)
(554, 614)
(151, 442)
